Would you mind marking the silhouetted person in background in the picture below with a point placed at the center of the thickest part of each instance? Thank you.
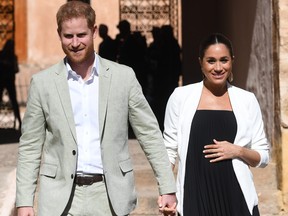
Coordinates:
(132, 51)
(107, 48)
(165, 52)
(8, 69)
(154, 54)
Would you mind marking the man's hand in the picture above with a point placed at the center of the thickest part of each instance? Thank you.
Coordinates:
(25, 211)
(167, 204)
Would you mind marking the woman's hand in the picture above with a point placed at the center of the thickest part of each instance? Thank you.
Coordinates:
(223, 150)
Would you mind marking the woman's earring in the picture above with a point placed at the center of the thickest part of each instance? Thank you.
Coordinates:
(230, 78)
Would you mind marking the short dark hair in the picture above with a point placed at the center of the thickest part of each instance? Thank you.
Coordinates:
(75, 9)
(215, 38)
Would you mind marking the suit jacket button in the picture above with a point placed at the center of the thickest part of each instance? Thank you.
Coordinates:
(72, 176)
(74, 152)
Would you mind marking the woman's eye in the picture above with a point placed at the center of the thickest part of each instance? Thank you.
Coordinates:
(211, 61)
(224, 60)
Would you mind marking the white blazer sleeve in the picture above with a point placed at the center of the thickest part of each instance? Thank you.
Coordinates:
(171, 127)
(259, 140)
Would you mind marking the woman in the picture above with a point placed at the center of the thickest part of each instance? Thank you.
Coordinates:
(9, 68)
(217, 131)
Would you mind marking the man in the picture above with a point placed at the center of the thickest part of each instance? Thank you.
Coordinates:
(132, 51)
(74, 133)
(107, 48)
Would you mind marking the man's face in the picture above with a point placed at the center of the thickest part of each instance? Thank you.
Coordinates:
(77, 40)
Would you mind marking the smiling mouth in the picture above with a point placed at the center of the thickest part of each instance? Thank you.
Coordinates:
(75, 51)
(218, 74)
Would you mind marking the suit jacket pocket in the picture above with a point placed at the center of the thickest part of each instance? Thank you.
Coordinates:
(126, 166)
(48, 170)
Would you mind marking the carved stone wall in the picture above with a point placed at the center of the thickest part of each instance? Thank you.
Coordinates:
(260, 71)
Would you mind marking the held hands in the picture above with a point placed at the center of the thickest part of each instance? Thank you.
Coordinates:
(167, 204)
(25, 211)
(221, 150)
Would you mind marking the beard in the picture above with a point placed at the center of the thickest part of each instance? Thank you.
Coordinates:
(78, 56)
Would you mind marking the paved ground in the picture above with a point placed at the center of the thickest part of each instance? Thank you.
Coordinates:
(270, 203)
(269, 196)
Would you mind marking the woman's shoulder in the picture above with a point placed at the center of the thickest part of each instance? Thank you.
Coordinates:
(239, 91)
(190, 87)
(183, 93)
(242, 95)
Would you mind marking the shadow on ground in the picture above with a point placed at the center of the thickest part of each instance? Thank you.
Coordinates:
(9, 135)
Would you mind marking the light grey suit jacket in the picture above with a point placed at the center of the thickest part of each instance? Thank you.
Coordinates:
(48, 145)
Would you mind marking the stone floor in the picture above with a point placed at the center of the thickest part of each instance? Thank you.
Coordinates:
(265, 181)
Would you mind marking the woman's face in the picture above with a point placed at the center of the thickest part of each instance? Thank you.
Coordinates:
(216, 64)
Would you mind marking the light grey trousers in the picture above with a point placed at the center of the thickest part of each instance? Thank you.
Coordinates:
(89, 200)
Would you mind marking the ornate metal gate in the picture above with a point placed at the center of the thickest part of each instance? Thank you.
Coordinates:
(144, 14)
(6, 21)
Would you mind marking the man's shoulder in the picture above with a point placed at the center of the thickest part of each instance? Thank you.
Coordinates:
(47, 71)
(113, 66)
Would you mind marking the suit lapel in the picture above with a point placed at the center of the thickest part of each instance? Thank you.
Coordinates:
(63, 93)
(60, 79)
(104, 88)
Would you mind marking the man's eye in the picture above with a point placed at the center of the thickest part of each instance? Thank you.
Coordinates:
(81, 35)
(68, 36)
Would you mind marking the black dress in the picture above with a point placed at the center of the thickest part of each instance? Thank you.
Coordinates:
(212, 189)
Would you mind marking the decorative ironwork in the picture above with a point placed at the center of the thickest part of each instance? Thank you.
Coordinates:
(144, 14)
(6, 21)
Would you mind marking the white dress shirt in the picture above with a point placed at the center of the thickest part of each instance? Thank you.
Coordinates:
(84, 99)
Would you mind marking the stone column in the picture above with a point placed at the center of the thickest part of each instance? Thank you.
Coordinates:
(283, 66)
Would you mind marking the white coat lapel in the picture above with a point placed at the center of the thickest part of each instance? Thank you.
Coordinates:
(240, 111)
